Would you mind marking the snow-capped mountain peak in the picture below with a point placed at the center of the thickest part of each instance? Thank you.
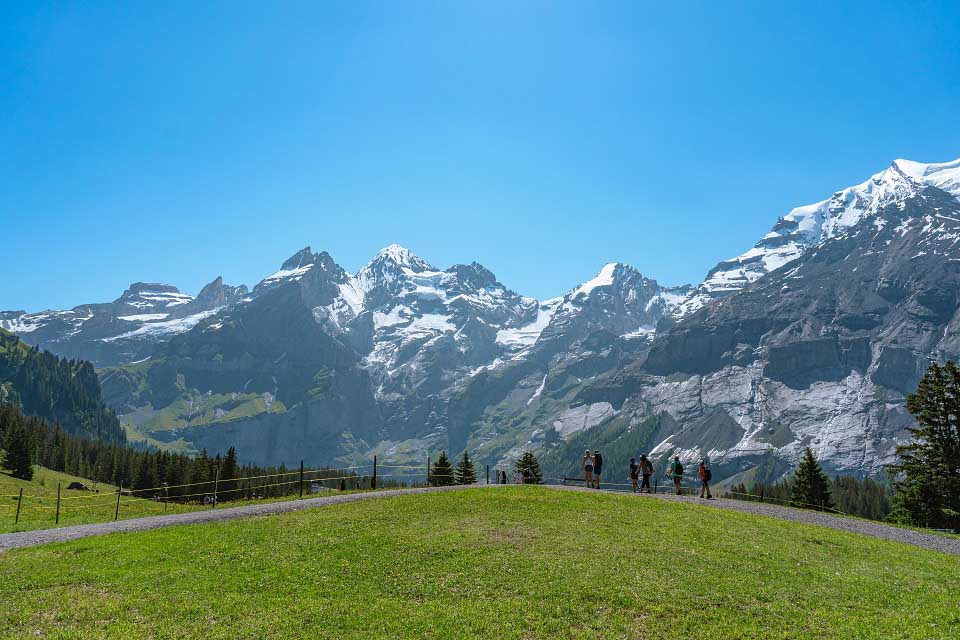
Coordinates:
(603, 279)
(811, 224)
(401, 257)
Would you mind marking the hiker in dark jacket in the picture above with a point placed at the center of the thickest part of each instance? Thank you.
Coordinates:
(705, 476)
(646, 470)
(597, 468)
(676, 472)
(634, 475)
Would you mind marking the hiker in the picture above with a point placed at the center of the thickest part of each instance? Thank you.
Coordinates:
(527, 475)
(676, 472)
(597, 468)
(503, 476)
(634, 475)
(646, 470)
(705, 476)
(587, 469)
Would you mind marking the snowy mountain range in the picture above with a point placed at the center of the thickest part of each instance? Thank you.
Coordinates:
(812, 337)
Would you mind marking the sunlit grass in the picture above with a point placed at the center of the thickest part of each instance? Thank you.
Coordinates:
(513, 562)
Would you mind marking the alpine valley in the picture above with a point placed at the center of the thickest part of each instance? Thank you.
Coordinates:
(811, 338)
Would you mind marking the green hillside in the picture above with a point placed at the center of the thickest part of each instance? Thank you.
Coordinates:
(38, 510)
(514, 562)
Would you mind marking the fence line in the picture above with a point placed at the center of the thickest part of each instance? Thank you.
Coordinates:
(212, 490)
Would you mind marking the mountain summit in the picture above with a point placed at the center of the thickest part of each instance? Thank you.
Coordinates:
(808, 225)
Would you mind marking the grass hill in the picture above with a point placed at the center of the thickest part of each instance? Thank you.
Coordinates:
(512, 562)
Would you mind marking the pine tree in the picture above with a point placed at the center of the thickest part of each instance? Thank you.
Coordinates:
(928, 487)
(228, 473)
(465, 473)
(529, 463)
(20, 453)
(442, 472)
(811, 486)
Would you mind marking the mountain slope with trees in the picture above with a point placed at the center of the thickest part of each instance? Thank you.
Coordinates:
(60, 391)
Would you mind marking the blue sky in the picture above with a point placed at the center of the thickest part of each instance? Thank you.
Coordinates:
(176, 142)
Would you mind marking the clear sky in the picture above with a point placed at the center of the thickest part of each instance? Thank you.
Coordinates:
(178, 141)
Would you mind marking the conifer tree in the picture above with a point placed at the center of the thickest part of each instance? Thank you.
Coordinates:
(928, 486)
(811, 486)
(228, 473)
(20, 453)
(529, 462)
(465, 473)
(442, 472)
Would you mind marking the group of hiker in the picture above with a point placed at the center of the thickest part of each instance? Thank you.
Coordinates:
(641, 472)
(519, 477)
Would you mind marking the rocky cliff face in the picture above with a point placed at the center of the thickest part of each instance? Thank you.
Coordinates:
(811, 338)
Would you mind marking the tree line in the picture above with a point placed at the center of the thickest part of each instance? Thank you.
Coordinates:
(810, 488)
(27, 441)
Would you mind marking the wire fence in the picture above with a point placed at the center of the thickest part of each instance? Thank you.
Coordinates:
(118, 502)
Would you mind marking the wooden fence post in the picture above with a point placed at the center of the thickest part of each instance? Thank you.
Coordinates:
(428, 470)
(16, 519)
(301, 478)
(488, 474)
(116, 513)
(216, 485)
(373, 480)
(58, 504)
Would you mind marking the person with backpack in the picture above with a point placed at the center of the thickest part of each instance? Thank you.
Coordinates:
(597, 468)
(587, 464)
(705, 476)
(646, 470)
(634, 475)
(676, 472)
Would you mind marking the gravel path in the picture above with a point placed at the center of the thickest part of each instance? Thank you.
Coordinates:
(931, 541)
(43, 536)
(875, 529)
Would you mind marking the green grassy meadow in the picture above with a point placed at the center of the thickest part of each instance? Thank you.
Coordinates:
(512, 562)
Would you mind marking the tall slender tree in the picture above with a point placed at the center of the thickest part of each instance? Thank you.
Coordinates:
(442, 472)
(811, 486)
(465, 473)
(20, 453)
(928, 470)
